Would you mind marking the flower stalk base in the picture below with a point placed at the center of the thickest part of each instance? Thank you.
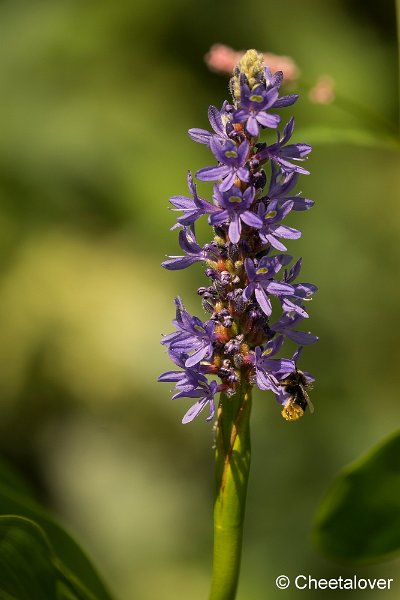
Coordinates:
(232, 466)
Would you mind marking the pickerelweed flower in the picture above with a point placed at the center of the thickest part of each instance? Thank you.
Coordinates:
(251, 198)
(253, 302)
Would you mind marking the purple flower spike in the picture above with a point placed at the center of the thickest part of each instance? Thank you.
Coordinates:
(253, 300)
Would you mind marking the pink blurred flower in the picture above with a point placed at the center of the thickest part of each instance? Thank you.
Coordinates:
(323, 91)
(223, 59)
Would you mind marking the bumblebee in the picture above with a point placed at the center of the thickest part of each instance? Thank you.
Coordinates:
(297, 386)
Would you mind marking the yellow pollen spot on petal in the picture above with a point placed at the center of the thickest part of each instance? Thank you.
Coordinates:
(199, 328)
(234, 199)
(262, 271)
(266, 352)
(256, 98)
(271, 214)
(231, 154)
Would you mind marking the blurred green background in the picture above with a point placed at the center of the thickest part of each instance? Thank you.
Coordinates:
(95, 102)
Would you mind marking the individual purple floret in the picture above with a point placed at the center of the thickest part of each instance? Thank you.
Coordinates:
(232, 159)
(270, 370)
(216, 118)
(281, 184)
(234, 209)
(261, 280)
(194, 252)
(254, 104)
(271, 229)
(205, 393)
(282, 152)
(253, 300)
(192, 336)
(193, 208)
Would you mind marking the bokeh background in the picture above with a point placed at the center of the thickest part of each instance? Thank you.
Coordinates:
(95, 102)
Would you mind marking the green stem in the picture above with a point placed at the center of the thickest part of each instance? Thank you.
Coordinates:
(232, 465)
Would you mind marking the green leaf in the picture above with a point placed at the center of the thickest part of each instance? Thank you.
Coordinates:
(359, 519)
(29, 567)
(15, 499)
(26, 561)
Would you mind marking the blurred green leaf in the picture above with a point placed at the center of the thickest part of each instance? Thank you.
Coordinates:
(14, 500)
(26, 570)
(29, 568)
(359, 519)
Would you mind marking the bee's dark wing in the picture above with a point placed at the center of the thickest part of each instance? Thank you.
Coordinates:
(307, 398)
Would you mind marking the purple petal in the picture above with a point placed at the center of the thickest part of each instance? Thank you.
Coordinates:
(263, 301)
(248, 195)
(288, 306)
(250, 269)
(266, 381)
(212, 173)
(202, 136)
(197, 356)
(179, 262)
(288, 131)
(182, 202)
(305, 290)
(170, 376)
(295, 271)
(251, 219)
(289, 233)
(243, 151)
(275, 243)
(252, 126)
(295, 151)
(235, 228)
(301, 337)
(272, 95)
(285, 208)
(285, 101)
(248, 291)
(289, 167)
(194, 411)
(214, 117)
(243, 174)
(219, 218)
(267, 120)
(228, 181)
(188, 242)
(302, 203)
(278, 288)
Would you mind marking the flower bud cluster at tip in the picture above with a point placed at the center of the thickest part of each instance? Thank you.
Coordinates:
(253, 299)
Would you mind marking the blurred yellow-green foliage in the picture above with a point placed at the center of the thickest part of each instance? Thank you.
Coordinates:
(95, 102)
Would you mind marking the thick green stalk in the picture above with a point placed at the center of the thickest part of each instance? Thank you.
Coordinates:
(232, 465)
